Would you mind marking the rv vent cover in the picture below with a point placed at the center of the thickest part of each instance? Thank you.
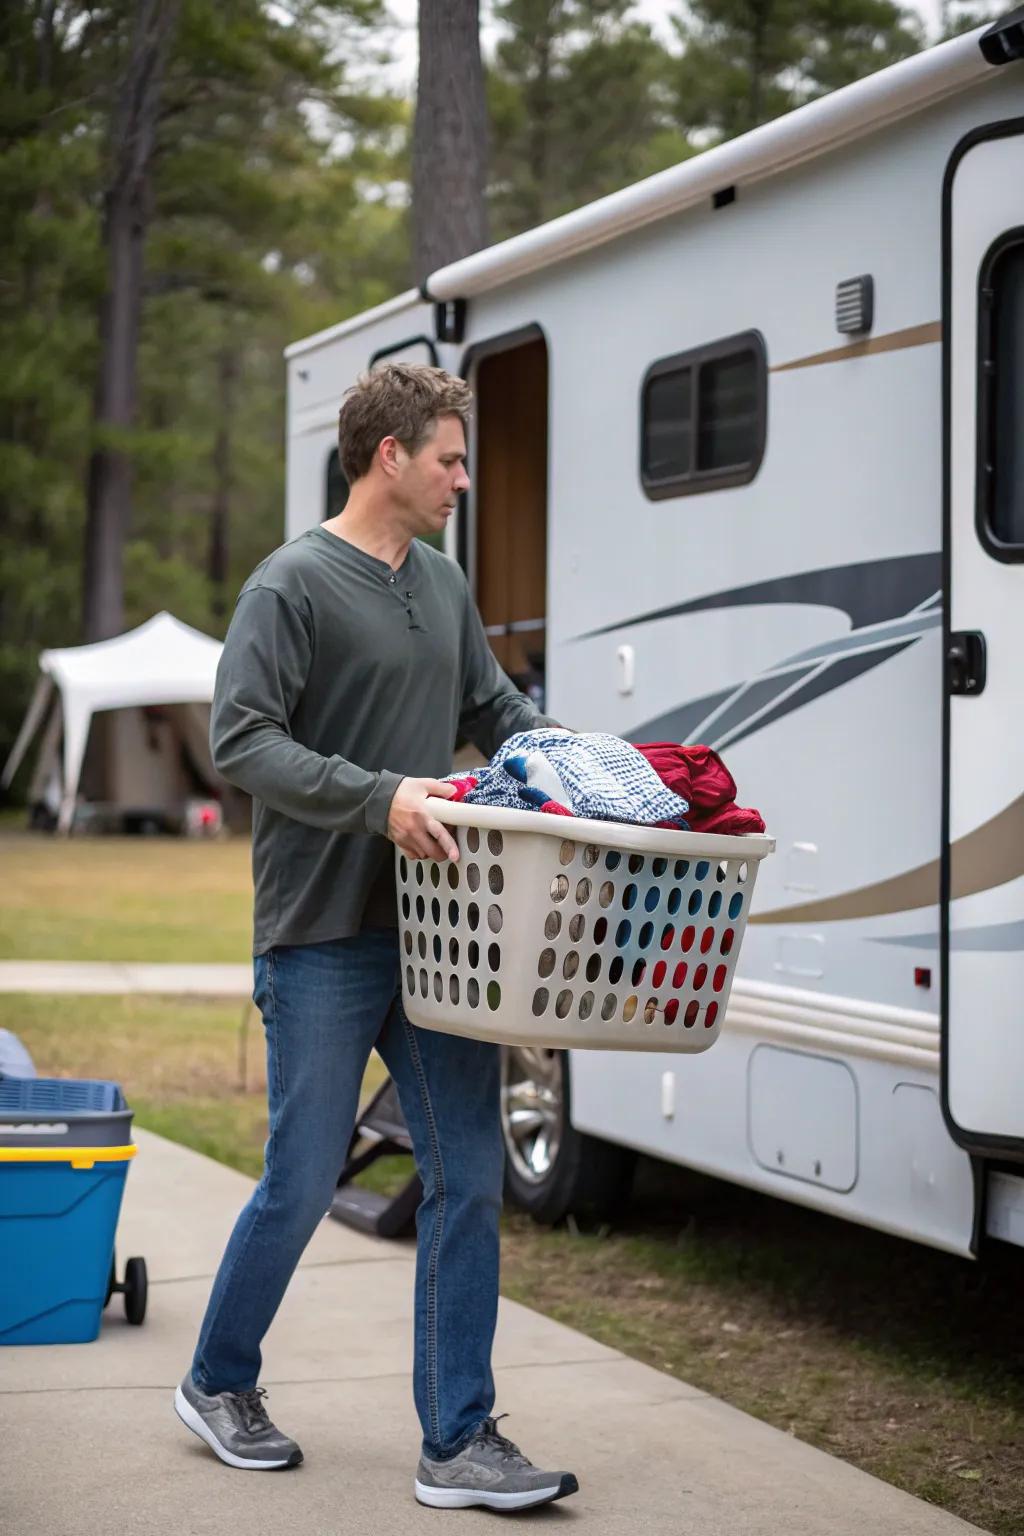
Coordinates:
(855, 305)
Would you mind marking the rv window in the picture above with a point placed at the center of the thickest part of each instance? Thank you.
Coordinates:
(704, 418)
(337, 486)
(1002, 403)
(668, 428)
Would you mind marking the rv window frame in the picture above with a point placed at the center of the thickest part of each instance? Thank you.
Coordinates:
(696, 481)
(986, 484)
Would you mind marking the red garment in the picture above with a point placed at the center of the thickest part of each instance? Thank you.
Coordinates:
(463, 787)
(699, 775)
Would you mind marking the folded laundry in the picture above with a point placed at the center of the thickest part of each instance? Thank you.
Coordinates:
(699, 775)
(590, 774)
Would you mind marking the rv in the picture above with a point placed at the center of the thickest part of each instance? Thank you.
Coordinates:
(748, 469)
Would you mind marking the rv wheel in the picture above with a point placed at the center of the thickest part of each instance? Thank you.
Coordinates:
(550, 1167)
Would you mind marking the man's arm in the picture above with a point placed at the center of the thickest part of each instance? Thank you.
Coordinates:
(260, 679)
(492, 707)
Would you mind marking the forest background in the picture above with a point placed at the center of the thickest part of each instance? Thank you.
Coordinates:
(189, 185)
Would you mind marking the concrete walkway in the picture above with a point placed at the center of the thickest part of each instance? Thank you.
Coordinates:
(110, 976)
(91, 1443)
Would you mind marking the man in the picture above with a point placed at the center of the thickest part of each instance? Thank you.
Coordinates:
(354, 657)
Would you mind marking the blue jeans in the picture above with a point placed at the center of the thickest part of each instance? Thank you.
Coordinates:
(324, 1007)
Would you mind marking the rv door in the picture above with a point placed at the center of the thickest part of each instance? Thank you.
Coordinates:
(983, 800)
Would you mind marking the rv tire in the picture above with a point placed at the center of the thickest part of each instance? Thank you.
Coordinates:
(586, 1176)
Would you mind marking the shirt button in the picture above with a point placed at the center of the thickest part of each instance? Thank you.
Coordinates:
(391, 580)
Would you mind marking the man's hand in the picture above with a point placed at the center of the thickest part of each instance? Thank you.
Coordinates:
(411, 826)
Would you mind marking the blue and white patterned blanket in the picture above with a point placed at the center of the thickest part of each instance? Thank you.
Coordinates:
(591, 774)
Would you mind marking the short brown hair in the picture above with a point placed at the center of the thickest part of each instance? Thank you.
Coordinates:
(401, 400)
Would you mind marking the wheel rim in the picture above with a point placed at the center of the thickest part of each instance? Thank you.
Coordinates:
(532, 1111)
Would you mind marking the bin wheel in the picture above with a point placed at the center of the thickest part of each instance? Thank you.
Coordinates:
(112, 1282)
(136, 1286)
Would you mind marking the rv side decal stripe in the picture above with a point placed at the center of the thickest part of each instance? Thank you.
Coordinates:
(869, 592)
(895, 341)
(993, 854)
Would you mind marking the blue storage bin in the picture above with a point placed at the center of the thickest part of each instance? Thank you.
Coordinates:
(58, 1217)
(60, 1111)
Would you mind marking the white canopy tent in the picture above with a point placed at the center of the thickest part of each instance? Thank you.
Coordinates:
(163, 662)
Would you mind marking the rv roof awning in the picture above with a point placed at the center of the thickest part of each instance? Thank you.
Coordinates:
(803, 134)
(161, 662)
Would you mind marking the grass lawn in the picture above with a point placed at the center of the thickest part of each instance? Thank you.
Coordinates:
(125, 898)
(904, 1361)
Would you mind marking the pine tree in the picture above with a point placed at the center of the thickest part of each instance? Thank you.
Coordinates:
(579, 107)
(744, 62)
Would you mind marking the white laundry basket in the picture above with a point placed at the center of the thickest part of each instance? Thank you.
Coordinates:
(563, 932)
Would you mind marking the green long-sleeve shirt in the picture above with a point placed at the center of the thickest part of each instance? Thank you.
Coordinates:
(339, 677)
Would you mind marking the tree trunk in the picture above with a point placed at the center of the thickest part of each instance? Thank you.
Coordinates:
(227, 378)
(449, 160)
(125, 217)
(539, 105)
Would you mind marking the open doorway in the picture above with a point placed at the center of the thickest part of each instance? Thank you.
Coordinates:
(505, 548)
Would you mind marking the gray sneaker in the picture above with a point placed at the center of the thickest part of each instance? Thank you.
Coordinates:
(235, 1425)
(489, 1470)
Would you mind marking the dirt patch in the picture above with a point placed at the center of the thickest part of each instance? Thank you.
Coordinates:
(907, 1362)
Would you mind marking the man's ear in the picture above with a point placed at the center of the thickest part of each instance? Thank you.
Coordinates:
(391, 454)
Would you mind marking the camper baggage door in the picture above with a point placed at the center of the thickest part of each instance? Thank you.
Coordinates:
(983, 802)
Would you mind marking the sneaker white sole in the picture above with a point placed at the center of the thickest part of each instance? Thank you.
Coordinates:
(462, 1498)
(197, 1424)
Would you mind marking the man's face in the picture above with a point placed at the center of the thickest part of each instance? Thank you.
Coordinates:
(427, 485)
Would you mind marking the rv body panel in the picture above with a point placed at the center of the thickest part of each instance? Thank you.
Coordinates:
(794, 621)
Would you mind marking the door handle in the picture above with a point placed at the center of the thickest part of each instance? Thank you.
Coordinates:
(966, 660)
